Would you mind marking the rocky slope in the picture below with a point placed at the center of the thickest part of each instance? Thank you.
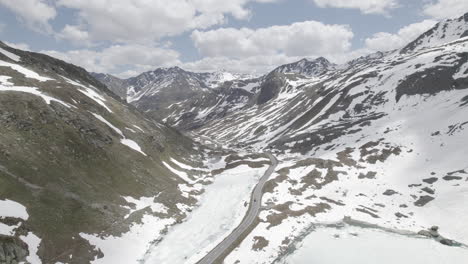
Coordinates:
(183, 99)
(379, 140)
(77, 164)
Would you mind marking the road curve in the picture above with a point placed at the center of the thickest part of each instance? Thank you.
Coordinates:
(249, 218)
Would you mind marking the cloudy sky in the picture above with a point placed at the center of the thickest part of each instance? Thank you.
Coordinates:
(127, 37)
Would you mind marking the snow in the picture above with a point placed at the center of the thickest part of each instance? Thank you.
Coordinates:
(130, 246)
(250, 86)
(89, 92)
(33, 243)
(184, 176)
(10, 208)
(33, 90)
(102, 119)
(28, 73)
(10, 55)
(139, 128)
(145, 202)
(95, 97)
(133, 145)
(125, 141)
(221, 210)
(7, 230)
(361, 245)
(182, 165)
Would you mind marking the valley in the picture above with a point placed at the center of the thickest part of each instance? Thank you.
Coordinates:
(173, 166)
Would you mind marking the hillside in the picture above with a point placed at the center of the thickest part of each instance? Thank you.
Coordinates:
(75, 159)
(379, 141)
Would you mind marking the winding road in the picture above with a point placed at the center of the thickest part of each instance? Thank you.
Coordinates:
(247, 222)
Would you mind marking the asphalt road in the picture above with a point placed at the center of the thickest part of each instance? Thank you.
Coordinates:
(249, 219)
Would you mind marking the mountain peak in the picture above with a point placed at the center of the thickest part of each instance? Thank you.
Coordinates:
(307, 67)
(443, 32)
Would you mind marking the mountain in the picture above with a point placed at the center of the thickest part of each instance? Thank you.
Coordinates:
(443, 32)
(307, 67)
(378, 142)
(75, 161)
(187, 100)
(181, 98)
(117, 85)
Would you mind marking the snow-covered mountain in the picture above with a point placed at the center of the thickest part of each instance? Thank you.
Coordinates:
(377, 142)
(443, 32)
(80, 168)
(307, 67)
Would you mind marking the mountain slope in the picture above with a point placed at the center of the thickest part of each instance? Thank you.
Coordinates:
(181, 98)
(379, 140)
(77, 161)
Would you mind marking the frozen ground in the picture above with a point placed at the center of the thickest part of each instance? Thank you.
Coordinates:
(16, 210)
(363, 245)
(222, 208)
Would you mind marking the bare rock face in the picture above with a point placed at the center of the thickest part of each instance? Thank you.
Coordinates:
(12, 250)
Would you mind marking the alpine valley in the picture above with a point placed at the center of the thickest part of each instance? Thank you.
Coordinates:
(173, 166)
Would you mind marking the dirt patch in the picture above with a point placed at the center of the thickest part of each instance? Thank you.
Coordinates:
(285, 212)
(368, 175)
(428, 190)
(345, 157)
(430, 180)
(452, 178)
(259, 243)
(423, 200)
(371, 155)
(389, 192)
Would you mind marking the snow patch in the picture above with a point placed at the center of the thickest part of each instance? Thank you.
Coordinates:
(10, 55)
(28, 73)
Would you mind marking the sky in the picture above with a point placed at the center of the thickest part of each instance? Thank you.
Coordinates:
(128, 37)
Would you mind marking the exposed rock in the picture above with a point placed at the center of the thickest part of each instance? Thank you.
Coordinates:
(430, 180)
(428, 190)
(12, 250)
(259, 243)
(423, 200)
(389, 192)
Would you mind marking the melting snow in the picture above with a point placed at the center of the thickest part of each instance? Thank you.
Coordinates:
(361, 245)
(33, 243)
(221, 210)
(125, 141)
(132, 144)
(184, 176)
(10, 208)
(10, 55)
(28, 73)
(5, 85)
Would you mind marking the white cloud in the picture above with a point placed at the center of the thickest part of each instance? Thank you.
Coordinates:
(384, 41)
(143, 21)
(442, 9)
(74, 33)
(365, 6)
(261, 64)
(112, 59)
(21, 46)
(34, 13)
(309, 38)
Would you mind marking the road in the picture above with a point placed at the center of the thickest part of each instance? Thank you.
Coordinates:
(249, 218)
